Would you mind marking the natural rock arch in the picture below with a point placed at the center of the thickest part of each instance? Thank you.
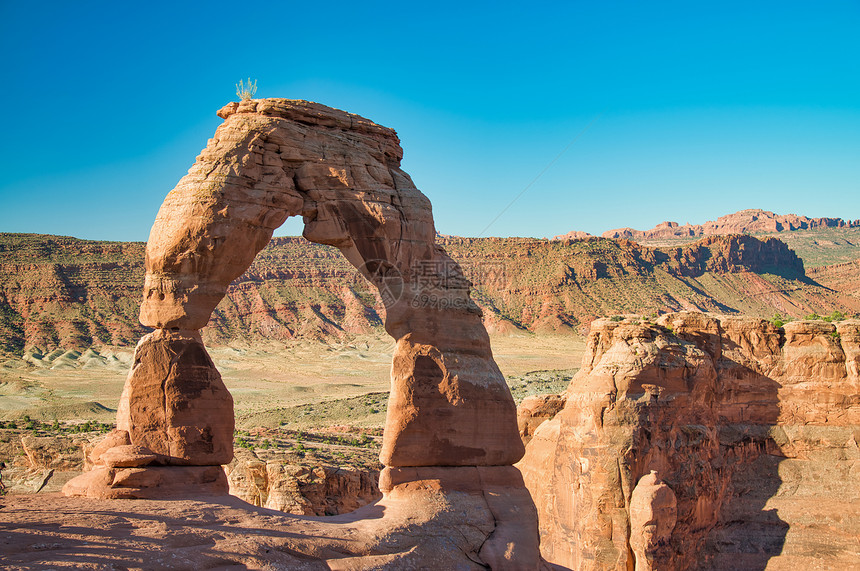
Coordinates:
(275, 158)
(451, 422)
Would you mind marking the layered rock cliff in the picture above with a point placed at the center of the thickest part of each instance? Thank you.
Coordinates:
(298, 289)
(702, 442)
(839, 277)
(57, 291)
(751, 221)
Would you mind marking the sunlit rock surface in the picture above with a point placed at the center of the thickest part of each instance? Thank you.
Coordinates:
(749, 434)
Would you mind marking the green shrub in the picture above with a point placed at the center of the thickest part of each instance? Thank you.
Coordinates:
(835, 316)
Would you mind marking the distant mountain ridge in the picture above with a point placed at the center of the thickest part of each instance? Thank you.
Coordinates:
(61, 292)
(751, 221)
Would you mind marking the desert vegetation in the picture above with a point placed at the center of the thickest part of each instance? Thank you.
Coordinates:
(246, 91)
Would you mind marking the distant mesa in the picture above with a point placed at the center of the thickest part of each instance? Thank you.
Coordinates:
(751, 221)
(61, 296)
(573, 235)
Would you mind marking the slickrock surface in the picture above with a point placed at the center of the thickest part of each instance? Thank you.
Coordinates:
(751, 221)
(428, 527)
(753, 430)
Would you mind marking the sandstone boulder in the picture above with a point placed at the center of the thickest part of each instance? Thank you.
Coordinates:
(93, 453)
(128, 456)
(150, 482)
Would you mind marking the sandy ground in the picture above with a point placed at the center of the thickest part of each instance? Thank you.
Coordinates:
(261, 378)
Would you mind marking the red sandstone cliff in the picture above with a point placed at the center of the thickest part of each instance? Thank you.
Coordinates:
(68, 293)
(702, 442)
(751, 221)
(840, 277)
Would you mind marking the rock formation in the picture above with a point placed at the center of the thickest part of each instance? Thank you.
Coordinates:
(751, 221)
(703, 442)
(653, 514)
(39, 463)
(451, 422)
(277, 484)
(573, 235)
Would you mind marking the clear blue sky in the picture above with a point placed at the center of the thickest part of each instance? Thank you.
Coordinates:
(701, 108)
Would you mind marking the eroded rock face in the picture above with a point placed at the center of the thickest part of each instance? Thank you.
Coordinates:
(534, 410)
(751, 428)
(450, 408)
(302, 490)
(38, 463)
(174, 402)
(653, 513)
(276, 158)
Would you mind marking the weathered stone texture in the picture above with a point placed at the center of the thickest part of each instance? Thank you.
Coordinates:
(277, 484)
(752, 428)
(274, 158)
(174, 402)
(450, 405)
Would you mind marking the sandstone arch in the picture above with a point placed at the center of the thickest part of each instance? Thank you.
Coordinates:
(451, 422)
(276, 158)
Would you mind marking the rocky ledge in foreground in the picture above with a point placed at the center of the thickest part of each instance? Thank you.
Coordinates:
(701, 442)
(458, 530)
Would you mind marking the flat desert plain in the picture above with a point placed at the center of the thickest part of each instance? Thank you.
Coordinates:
(298, 384)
